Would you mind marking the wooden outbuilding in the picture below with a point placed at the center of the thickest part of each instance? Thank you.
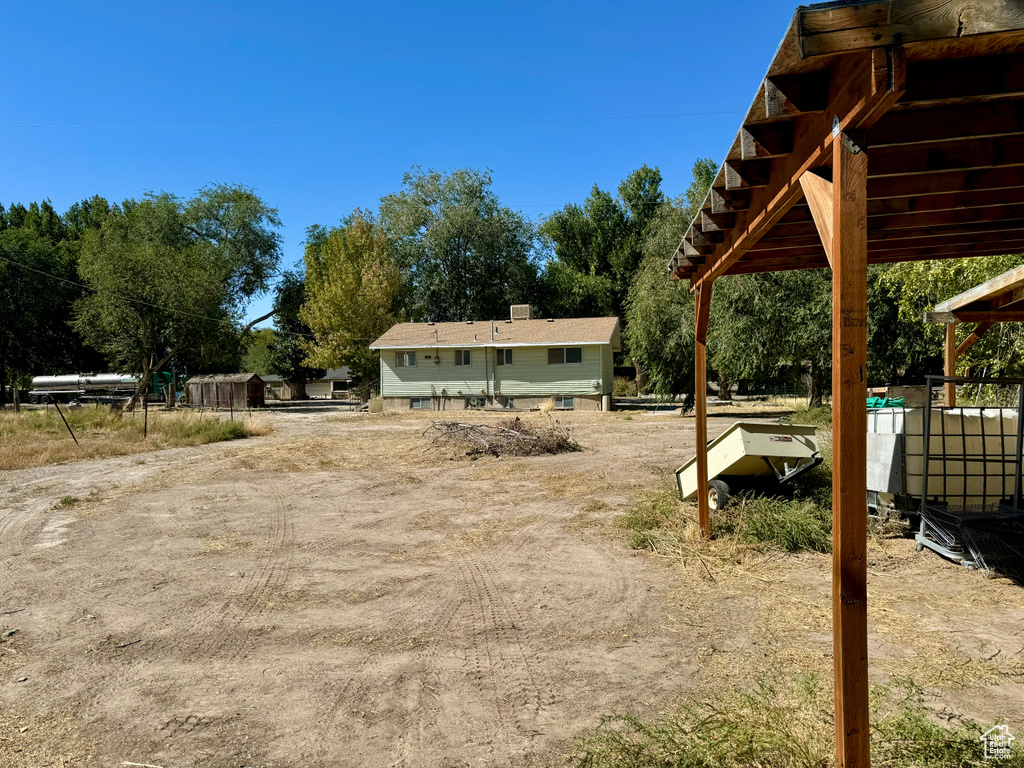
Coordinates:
(883, 132)
(999, 300)
(225, 390)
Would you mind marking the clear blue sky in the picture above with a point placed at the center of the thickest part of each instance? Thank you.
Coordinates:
(322, 106)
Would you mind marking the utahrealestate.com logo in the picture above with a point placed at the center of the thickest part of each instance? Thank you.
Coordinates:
(997, 742)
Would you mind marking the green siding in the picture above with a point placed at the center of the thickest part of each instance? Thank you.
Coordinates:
(529, 374)
(430, 377)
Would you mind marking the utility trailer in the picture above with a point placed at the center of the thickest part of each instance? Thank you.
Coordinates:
(750, 453)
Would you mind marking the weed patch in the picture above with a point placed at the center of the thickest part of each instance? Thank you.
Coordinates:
(39, 437)
(786, 726)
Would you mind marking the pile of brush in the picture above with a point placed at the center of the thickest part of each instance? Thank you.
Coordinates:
(513, 437)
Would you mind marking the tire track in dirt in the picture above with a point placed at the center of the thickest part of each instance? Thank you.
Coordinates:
(232, 621)
(491, 651)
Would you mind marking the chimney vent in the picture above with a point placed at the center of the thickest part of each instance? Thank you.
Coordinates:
(522, 312)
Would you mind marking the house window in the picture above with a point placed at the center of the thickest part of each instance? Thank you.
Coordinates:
(420, 403)
(559, 355)
(504, 357)
(462, 357)
(405, 359)
(565, 403)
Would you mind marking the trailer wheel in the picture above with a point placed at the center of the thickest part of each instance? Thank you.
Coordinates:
(718, 494)
(33, 399)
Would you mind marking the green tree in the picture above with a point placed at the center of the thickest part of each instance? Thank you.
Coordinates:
(256, 354)
(764, 321)
(38, 255)
(659, 311)
(465, 256)
(169, 277)
(287, 352)
(354, 293)
(598, 247)
(917, 286)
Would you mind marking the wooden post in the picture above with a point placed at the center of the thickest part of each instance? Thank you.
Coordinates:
(700, 396)
(949, 366)
(849, 445)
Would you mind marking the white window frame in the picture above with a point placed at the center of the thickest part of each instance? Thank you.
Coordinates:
(560, 402)
(405, 359)
(463, 357)
(416, 404)
(504, 357)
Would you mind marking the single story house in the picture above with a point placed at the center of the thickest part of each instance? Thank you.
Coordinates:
(521, 362)
(334, 385)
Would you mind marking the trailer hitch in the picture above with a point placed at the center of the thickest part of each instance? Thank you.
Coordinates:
(789, 473)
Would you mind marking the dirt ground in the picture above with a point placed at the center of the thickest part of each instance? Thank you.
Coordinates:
(337, 593)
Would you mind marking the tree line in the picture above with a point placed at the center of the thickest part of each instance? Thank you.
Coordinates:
(161, 280)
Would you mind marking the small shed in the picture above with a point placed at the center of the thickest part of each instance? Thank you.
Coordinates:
(225, 390)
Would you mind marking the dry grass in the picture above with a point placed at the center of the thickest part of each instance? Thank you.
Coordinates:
(39, 438)
(51, 740)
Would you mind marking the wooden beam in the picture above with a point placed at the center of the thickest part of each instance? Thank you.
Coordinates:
(725, 201)
(709, 220)
(947, 181)
(790, 95)
(818, 192)
(700, 392)
(859, 25)
(909, 126)
(747, 174)
(927, 219)
(949, 365)
(766, 140)
(1007, 281)
(947, 201)
(849, 441)
(983, 316)
(856, 100)
(972, 339)
(946, 156)
(965, 78)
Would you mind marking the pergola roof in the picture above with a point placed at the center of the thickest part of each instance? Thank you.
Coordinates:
(934, 89)
(1001, 298)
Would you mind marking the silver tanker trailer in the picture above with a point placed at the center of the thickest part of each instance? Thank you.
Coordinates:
(82, 386)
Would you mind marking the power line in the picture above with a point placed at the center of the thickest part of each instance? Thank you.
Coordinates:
(140, 301)
(308, 126)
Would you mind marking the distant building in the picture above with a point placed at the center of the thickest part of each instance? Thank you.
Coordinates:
(520, 362)
(225, 390)
(335, 385)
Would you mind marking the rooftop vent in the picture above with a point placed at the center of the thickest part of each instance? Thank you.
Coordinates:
(522, 312)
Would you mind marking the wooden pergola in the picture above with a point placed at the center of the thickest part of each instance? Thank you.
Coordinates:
(883, 132)
(999, 300)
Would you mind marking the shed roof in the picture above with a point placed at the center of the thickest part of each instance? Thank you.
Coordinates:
(501, 333)
(1001, 298)
(934, 90)
(223, 378)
